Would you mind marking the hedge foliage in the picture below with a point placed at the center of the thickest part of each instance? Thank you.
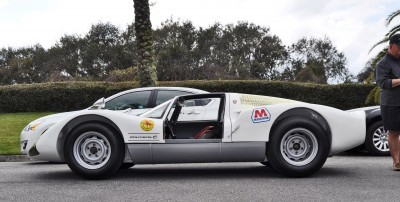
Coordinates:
(68, 96)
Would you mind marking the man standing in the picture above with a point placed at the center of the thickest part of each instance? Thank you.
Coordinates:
(387, 76)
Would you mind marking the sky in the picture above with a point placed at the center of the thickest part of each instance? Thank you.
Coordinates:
(353, 26)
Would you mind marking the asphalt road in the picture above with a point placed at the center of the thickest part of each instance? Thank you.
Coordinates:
(342, 178)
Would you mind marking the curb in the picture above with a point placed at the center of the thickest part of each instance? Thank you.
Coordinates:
(15, 158)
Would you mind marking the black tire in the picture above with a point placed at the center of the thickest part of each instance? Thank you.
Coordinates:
(290, 137)
(376, 130)
(94, 151)
(125, 166)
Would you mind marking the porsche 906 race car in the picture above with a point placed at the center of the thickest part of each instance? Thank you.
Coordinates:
(376, 137)
(135, 101)
(294, 138)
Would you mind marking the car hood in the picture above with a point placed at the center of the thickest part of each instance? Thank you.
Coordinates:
(55, 117)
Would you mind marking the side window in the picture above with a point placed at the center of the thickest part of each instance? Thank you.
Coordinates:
(135, 100)
(165, 95)
(197, 102)
(200, 110)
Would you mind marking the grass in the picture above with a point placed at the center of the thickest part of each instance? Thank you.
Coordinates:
(11, 125)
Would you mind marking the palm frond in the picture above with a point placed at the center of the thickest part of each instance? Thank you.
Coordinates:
(393, 31)
(378, 57)
(386, 39)
(374, 96)
(391, 16)
(370, 78)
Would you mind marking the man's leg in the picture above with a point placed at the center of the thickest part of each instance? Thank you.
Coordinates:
(393, 141)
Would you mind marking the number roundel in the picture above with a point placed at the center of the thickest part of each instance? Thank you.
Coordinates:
(147, 125)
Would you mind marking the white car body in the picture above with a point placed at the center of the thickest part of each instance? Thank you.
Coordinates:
(247, 131)
(31, 133)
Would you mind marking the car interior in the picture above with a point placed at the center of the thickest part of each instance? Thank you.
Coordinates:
(209, 128)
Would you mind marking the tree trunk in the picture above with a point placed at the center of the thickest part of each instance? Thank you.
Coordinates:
(144, 39)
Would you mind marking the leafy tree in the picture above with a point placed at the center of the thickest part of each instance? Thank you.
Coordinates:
(269, 55)
(249, 47)
(248, 51)
(144, 38)
(23, 65)
(210, 56)
(101, 50)
(65, 58)
(174, 43)
(315, 60)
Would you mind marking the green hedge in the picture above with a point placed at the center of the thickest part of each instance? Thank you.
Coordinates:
(68, 96)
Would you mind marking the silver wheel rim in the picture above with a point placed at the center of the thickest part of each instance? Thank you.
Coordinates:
(92, 150)
(299, 147)
(380, 139)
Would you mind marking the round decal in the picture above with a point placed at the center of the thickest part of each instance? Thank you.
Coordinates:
(147, 125)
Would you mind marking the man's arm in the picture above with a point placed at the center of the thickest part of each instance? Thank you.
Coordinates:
(395, 82)
(383, 78)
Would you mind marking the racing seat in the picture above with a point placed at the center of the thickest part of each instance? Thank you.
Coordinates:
(205, 133)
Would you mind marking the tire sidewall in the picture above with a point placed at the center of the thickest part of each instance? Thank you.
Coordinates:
(116, 156)
(274, 154)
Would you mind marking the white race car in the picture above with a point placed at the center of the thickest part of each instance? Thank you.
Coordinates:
(295, 138)
(135, 101)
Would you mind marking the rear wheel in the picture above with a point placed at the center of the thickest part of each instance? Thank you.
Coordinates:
(376, 140)
(298, 147)
(94, 151)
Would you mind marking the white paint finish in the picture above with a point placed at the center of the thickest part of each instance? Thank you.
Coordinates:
(348, 128)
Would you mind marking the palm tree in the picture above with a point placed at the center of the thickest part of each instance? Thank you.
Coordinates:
(374, 95)
(144, 40)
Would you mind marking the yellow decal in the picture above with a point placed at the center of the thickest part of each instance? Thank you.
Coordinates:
(33, 127)
(147, 125)
(258, 100)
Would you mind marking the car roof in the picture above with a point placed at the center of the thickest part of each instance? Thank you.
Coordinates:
(189, 90)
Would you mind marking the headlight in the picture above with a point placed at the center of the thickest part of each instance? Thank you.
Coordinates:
(31, 127)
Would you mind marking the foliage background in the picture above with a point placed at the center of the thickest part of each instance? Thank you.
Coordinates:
(69, 96)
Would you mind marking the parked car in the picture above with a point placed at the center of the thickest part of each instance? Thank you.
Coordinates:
(135, 101)
(294, 138)
(376, 137)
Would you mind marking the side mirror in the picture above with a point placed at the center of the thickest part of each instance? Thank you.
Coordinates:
(99, 104)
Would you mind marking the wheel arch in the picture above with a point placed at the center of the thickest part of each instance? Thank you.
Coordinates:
(305, 112)
(372, 118)
(80, 120)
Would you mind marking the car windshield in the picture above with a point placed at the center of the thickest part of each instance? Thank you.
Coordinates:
(157, 112)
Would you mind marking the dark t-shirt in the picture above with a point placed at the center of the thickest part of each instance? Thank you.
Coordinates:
(387, 69)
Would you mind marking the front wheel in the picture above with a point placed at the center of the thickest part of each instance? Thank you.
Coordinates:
(298, 147)
(94, 151)
(376, 140)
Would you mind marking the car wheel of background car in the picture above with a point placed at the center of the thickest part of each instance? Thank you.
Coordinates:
(94, 151)
(125, 166)
(376, 140)
(298, 147)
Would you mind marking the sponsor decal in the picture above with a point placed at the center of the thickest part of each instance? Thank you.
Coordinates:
(144, 137)
(260, 115)
(32, 127)
(147, 125)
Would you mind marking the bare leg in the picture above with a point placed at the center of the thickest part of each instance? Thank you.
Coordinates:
(394, 146)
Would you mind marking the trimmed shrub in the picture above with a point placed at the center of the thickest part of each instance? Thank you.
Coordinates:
(69, 96)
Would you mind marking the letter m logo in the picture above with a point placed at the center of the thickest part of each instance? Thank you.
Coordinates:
(260, 115)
